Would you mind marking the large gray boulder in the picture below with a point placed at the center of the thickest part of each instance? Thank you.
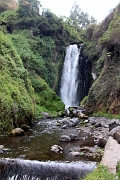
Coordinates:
(111, 155)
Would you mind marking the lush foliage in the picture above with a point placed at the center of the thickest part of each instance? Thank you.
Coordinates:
(16, 92)
(102, 47)
(46, 100)
(31, 50)
(8, 4)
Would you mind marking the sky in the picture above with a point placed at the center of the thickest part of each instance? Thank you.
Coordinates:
(99, 9)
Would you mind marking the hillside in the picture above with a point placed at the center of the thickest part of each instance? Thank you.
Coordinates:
(22, 95)
(103, 42)
(16, 92)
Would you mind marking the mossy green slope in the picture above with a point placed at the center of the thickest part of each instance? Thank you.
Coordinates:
(45, 98)
(22, 94)
(16, 92)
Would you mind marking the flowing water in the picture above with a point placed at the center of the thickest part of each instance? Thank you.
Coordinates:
(30, 155)
(69, 79)
(46, 165)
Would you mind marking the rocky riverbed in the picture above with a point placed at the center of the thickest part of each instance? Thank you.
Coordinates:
(65, 139)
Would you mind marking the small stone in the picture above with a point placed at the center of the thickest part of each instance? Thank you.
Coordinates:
(64, 127)
(25, 127)
(117, 137)
(1, 146)
(17, 132)
(75, 153)
(113, 125)
(86, 121)
(57, 124)
(1, 151)
(82, 116)
(22, 156)
(74, 137)
(102, 142)
(56, 149)
(65, 138)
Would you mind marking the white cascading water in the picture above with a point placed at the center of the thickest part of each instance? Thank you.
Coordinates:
(69, 79)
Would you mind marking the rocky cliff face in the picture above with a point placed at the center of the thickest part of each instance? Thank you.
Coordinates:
(104, 95)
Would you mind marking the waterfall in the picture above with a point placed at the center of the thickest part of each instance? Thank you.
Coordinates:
(18, 169)
(69, 79)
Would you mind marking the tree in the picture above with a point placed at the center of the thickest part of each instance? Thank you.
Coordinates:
(32, 4)
(79, 18)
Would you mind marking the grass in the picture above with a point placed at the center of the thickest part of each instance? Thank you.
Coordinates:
(101, 173)
(106, 114)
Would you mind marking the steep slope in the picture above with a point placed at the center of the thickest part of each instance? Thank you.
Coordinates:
(104, 94)
(16, 92)
(23, 95)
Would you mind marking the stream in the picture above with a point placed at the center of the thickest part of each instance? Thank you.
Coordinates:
(33, 149)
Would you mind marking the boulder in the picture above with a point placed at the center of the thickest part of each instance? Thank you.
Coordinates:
(56, 149)
(17, 132)
(65, 138)
(111, 155)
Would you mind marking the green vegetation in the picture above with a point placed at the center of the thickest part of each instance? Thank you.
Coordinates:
(46, 100)
(101, 173)
(16, 92)
(106, 114)
(102, 47)
(32, 51)
(118, 170)
(83, 102)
